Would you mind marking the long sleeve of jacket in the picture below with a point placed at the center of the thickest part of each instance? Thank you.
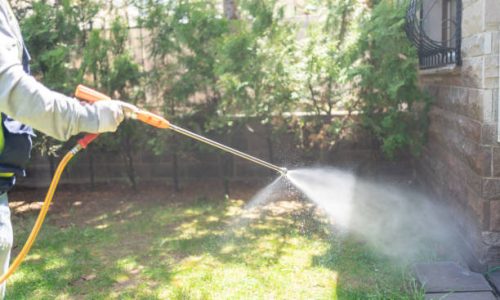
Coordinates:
(28, 101)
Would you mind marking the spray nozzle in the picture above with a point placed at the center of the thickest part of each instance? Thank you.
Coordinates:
(283, 171)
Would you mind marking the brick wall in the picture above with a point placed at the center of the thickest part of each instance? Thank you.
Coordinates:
(461, 161)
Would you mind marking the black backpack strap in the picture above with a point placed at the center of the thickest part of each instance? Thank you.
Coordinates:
(17, 143)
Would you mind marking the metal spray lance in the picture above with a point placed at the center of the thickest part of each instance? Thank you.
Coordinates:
(133, 112)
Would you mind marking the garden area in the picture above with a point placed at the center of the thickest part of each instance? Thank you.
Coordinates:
(196, 244)
(149, 220)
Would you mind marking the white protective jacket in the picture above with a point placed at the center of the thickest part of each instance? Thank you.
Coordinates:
(29, 102)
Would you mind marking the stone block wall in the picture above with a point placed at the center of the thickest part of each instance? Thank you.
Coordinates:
(461, 161)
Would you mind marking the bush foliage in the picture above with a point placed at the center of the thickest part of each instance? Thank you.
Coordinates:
(393, 106)
(212, 74)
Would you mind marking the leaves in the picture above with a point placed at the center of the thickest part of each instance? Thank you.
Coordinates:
(53, 35)
(388, 81)
(213, 74)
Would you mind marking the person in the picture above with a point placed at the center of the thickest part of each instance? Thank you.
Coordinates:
(23, 99)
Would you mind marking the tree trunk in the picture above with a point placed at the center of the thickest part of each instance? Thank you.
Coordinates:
(175, 156)
(131, 171)
(51, 165)
(229, 173)
(130, 163)
(91, 167)
(226, 165)
(175, 165)
(343, 24)
(269, 140)
(226, 186)
(230, 9)
(323, 155)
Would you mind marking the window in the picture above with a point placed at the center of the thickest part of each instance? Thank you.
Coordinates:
(434, 26)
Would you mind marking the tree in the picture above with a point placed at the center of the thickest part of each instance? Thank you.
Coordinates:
(326, 94)
(115, 73)
(95, 62)
(184, 39)
(54, 36)
(254, 67)
(393, 106)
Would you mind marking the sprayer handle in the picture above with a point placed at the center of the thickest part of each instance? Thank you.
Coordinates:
(87, 94)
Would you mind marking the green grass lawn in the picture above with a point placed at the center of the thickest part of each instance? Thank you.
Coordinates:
(199, 249)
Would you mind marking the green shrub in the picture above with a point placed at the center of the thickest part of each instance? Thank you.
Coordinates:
(393, 106)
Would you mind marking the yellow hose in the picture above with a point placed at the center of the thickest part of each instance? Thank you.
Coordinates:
(41, 216)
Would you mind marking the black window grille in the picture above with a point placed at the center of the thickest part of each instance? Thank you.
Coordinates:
(434, 27)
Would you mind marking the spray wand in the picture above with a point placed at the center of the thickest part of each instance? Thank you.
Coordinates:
(132, 112)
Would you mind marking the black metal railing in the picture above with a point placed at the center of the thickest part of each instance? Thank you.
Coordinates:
(435, 53)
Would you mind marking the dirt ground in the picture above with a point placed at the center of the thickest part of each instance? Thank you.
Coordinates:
(112, 197)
